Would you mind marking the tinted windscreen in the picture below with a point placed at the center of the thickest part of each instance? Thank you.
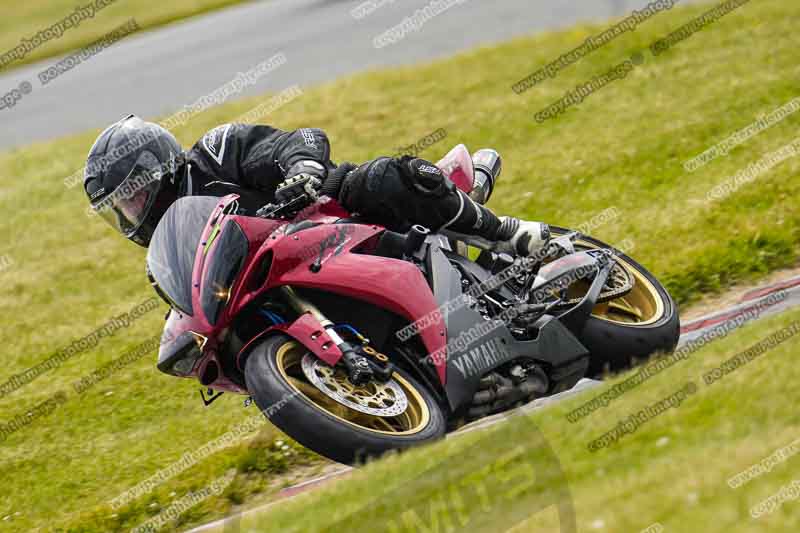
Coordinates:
(170, 257)
(225, 262)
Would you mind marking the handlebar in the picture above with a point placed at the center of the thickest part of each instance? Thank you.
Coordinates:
(285, 209)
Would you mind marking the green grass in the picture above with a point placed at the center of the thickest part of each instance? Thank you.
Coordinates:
(673, 470)
(623, 147)
(28, 18)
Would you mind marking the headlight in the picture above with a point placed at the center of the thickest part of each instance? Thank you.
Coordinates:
(178, 358)
(225, 263)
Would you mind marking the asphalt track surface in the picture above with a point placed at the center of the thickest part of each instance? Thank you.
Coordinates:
(158, 72)
(760, 299)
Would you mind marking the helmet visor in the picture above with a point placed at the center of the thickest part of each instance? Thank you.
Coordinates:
(127, 207)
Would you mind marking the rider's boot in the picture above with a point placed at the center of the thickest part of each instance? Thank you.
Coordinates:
(521, 237)
(478, 226)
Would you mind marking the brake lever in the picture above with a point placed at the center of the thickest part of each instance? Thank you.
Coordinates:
(268, 211)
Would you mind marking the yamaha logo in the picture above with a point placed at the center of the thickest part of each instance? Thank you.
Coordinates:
(481, 358)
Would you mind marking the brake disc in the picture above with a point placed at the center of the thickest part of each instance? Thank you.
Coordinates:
(619, 283)
(377, 399)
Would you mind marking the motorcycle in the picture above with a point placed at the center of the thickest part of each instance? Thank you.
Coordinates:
(355, 340)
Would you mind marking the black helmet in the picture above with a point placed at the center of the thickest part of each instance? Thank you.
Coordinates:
(131, 176)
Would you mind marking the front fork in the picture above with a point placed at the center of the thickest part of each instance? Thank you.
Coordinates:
(360, 369)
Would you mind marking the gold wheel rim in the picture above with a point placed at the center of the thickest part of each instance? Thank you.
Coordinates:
(642, 306)
(412, 421)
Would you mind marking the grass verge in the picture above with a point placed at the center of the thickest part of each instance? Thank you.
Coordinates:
(673, 470)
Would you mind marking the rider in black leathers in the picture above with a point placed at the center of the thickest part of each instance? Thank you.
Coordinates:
(136, 169)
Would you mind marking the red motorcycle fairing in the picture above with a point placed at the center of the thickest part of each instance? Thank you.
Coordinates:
(392, 284)
(178, 323)
(308, 331)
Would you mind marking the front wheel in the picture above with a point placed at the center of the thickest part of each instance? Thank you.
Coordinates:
(632, 327)
(317, 405)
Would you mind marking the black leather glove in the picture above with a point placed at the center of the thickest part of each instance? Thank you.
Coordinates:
(333, 183)
(305, 177)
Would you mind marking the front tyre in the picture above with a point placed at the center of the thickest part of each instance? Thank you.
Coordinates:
(349, 430)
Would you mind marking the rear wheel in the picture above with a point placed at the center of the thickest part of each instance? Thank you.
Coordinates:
(633, 326)
(317, 405)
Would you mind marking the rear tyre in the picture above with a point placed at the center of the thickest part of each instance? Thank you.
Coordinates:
(276, 380)
(631, 328)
